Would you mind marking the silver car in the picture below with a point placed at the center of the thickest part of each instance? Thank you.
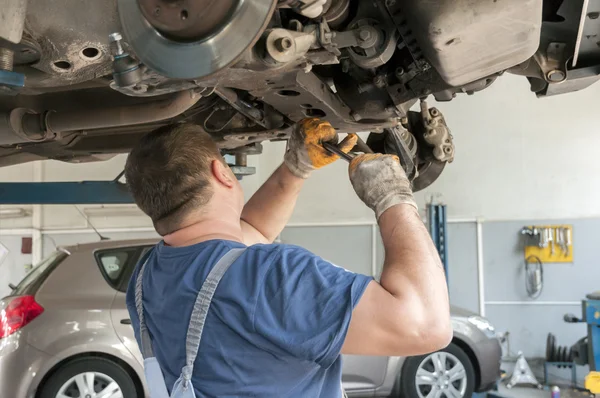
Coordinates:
(65, 333)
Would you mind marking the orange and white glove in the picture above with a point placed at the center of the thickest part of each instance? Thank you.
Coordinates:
(380, 182)
(305, 150)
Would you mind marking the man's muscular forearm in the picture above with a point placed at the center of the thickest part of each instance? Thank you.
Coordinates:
(411, 260)
(270, 208)
(407, 313)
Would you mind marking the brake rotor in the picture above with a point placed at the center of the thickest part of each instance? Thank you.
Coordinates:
(192, 39)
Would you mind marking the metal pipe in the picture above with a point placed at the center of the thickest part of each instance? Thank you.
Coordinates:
(127, 115)
(480, 271)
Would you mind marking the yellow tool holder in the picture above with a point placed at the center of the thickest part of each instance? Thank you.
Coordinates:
(554, 251)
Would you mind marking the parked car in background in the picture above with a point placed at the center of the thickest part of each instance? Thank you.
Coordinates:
(65, 333)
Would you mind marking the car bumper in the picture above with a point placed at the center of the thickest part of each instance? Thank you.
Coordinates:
(489, 355)
(19, 367)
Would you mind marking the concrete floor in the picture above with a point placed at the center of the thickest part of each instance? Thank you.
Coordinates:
(560, 377)
(527, 392)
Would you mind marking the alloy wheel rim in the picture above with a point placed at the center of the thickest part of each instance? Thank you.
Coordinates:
(90, 385)
(441, 375)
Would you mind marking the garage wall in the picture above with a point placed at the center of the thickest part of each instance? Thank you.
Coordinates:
(565, 285)
(13, 265)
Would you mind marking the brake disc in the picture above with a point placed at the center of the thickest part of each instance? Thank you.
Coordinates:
(170, 42)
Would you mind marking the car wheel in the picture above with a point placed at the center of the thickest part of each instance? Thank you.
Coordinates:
(90, 377)
(447, 373)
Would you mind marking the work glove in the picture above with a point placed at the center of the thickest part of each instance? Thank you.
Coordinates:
(380, 182)
(305, 150)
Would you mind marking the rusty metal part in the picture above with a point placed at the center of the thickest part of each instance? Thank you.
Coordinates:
(401, 142)
(246, 109)
(197, 59)
(126, 70)
(113, 116)
(382, 49)
(437, 134)
(284, 45)
(188, 20)
(241, 159)
(12, 19)
(555, 63)
(301, 95)
(337, 13)
(310, 8)
(6, 59)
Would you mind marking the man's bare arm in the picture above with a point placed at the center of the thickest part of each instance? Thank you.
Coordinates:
(270, 208)
(268, 211)
(407, 313)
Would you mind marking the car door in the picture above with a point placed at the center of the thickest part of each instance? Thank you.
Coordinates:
(361, 375)
(118, 264)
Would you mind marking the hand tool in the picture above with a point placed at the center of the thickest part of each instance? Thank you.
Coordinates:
(334, 149)
(346, 156)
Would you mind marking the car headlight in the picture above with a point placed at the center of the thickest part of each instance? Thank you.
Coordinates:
(484, 325)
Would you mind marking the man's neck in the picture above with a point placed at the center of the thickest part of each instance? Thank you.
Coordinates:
(204, 230)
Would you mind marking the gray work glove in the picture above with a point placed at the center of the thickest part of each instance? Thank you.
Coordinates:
(380, 182)
(305, 150)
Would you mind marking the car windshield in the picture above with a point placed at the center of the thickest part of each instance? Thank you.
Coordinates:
(41, 269)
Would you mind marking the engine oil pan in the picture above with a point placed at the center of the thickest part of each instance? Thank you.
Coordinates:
(466, 40)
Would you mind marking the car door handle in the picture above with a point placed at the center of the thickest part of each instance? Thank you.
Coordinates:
(125, 321)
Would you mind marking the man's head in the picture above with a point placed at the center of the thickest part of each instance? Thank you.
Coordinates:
(176, 173)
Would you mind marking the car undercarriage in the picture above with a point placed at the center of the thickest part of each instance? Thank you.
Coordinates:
(83, 80)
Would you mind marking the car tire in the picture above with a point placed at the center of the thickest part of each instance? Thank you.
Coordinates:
(63, 380)
(451, 355)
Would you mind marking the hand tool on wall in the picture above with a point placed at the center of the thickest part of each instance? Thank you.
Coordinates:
(568, 241)
(550, 238)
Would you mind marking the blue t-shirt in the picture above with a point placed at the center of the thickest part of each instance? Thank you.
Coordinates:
(275, 327)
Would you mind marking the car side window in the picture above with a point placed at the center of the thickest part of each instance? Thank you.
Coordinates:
(117, 264)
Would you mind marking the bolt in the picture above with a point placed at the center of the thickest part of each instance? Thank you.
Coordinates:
(283, 44)
(356, 116)
(364, 35)
(556, 76)
(157, 11)
(379, 81)
(434, 112)
(115, 43)
(399, 72)
(345, 66)
(593, 15)
(6, 59)
(241, 159)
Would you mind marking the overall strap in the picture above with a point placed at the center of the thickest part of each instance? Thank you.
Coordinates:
(201, 306)
(144, 335)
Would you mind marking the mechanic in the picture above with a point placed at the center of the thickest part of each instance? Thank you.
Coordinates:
(227, 313)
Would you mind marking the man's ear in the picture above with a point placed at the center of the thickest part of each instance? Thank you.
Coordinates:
(222, 173)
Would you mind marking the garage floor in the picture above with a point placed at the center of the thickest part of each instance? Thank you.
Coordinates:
(526, 392)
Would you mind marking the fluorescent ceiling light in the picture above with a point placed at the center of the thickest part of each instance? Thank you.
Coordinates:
(13, 213)
(107, 211)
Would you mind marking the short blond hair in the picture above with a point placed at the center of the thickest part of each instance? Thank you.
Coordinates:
(168, 173)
